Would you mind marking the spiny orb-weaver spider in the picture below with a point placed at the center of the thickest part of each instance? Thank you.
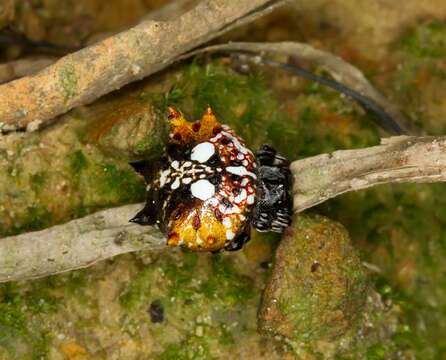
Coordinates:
(209, 188)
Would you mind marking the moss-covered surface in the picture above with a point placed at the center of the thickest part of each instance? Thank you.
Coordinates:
(208, 307)
(78, 165)
(68, 81)
(400, 229)
(210, 302)
(318, 300)
(317, 289)
(419, 80)
(48, 179)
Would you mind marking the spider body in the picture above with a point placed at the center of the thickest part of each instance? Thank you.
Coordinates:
(210, 187)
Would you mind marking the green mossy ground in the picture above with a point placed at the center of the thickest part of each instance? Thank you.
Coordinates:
(210, 302)
(61, 178)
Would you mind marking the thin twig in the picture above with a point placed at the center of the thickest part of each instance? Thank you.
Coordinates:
(81, 77)
(84, 241)
(23, 67)
(342, 71)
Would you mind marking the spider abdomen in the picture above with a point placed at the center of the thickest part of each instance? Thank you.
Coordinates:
(206, 187)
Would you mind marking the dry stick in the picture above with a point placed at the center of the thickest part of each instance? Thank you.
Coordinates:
(341, 70)
(398, 159)
(23, 67)
(82, 242)
(171, 10)
(81, 77)
(76, 244)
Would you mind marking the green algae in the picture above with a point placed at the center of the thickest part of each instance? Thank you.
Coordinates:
(68, 81)
(136, 292)
(225, 284)
(21, 316)
(220, 282)
(34, 217)
(89, 179)
(202, 295)
(122, 183)
(79, 180)
(37, 181)
(78, 162)
(426, 40)
(372, 227)
(418, 80)
(193, 348)
(150, 146)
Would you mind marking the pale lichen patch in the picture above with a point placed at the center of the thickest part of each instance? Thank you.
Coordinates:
(68, 81)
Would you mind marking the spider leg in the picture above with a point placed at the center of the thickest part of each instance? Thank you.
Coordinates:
(265, 155)
(240, 240)
(139, 166)
(274, 206)
(149, 214)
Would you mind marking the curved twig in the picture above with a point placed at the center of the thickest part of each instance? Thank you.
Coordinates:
(340, 70)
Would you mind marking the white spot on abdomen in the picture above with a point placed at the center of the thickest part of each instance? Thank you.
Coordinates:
(227, 222)
(164, 176)
(241, 197)
(187, 180)
(176, 184)
(202, 152)
(202, 189)
(240, 170)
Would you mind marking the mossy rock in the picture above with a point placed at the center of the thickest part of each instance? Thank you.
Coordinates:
(317, 289)
(127, 128)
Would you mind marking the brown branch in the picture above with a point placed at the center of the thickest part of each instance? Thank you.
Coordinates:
(23, 67)
(81, 77)
(85, 241)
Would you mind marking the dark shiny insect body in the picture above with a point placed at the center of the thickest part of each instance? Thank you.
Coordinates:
(210, 187)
